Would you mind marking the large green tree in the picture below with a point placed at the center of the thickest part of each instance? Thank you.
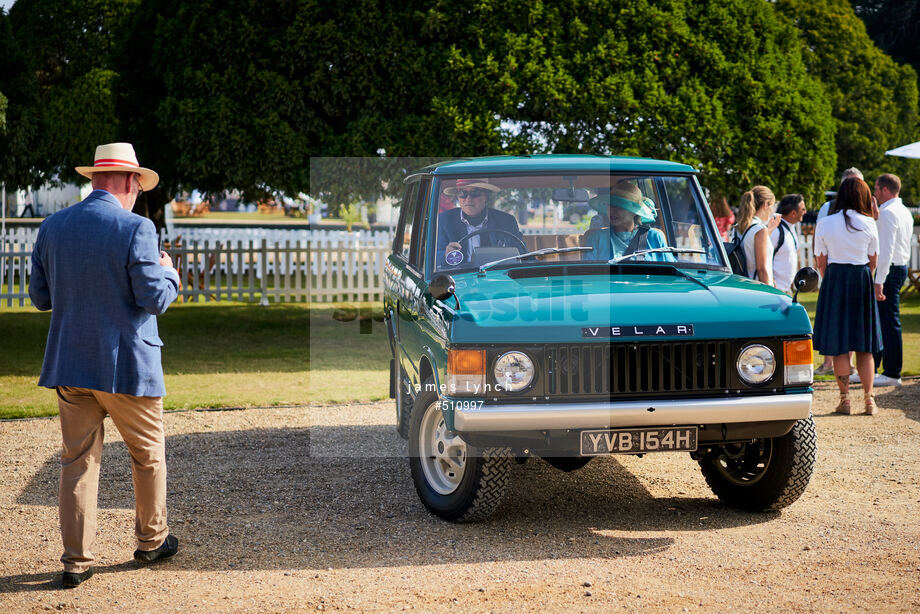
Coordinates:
(20, 135)
(894, 26)
(221, 94)
(874, 99)
(714, 83)
(61, 82)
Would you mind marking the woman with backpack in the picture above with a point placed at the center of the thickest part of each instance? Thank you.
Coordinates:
(846, 319)
(755, 223)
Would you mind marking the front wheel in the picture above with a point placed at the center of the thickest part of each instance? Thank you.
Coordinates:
(763, 475)
(454, 480)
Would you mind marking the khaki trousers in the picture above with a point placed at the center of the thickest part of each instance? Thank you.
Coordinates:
(140, 422)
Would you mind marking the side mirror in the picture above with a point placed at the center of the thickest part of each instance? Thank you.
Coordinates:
(806, 280)
(442, 286)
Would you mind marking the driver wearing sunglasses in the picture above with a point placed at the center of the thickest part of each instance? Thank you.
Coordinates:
(472, 214)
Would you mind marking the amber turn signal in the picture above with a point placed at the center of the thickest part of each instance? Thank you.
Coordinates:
(797, 352)
(466, 362)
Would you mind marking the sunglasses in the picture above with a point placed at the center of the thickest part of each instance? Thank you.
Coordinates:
(471, 193)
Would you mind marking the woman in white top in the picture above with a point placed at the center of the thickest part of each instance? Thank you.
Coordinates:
(846, 319)
(755, 223)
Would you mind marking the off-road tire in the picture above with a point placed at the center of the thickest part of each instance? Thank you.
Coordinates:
(403, 404)
(480, 486)
(789, 465)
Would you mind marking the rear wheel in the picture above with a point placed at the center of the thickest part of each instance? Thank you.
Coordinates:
(454, 480)
(763, 475)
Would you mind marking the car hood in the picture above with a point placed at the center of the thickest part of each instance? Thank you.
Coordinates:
(653, 303)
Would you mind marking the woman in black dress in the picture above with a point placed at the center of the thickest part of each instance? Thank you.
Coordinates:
(846, 251)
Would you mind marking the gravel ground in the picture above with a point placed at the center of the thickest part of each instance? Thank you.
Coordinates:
(312, 508)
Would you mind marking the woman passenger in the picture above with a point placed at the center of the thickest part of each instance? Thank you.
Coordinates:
(627, 211)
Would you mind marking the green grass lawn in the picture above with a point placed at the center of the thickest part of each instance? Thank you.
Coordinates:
(236, 354)
(910, 324)
(226, 354)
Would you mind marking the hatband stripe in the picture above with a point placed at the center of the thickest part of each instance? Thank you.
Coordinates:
(114, 162)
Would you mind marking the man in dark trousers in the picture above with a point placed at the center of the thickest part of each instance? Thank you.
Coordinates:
(895, 226)
(96, 265)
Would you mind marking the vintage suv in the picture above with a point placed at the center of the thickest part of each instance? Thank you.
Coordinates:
(516, 332)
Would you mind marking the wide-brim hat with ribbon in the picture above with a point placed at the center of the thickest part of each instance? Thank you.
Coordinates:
(471, 183)
(119, 157)
(641, 206)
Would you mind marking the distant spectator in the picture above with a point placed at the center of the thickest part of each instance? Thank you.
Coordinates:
(895, 227)
(755, 223)
(827, 367)
(785, 241)
(826, 207)
(847, 319)
(723, 214)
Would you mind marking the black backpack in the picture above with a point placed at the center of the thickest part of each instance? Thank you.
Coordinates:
(736, 258)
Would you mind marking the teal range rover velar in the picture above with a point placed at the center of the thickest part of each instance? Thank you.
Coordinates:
(518, 329)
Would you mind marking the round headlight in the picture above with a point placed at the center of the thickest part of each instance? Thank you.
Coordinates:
(513, 371)
(756, 364)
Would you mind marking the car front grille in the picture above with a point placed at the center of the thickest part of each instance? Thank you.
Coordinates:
(645, 369)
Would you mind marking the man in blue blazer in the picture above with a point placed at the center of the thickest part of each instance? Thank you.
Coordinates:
(97, 266)
(498, 229)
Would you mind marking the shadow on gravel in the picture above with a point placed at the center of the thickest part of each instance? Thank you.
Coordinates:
(342, 497)
(51, 581)
(905, 398)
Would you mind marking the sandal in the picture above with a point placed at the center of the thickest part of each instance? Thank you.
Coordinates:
(871, 407)
(843, 407)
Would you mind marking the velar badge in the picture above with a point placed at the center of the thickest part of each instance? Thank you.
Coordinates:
(652, 330)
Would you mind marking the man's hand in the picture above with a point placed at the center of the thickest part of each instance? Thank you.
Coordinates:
(165, 260)
(453, 246)
(879, 295)
(875, 213)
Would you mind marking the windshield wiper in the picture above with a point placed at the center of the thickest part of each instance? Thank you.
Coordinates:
(539, 252)
(657, 250)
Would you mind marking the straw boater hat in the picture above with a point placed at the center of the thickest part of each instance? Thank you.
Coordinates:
(471, 183)
(119, 157)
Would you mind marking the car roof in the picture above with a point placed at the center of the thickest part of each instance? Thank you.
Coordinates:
(555, 163)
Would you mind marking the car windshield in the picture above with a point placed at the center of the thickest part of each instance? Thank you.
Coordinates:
(518, 220)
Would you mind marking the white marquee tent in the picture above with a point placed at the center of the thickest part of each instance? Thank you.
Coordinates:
(906, 151)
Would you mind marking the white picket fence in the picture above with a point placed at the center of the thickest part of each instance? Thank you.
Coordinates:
(320, 266)
(255, 272)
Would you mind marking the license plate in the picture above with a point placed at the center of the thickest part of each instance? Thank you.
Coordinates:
(638, 441)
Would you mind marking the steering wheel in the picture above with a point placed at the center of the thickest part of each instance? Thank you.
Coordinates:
(521, 245)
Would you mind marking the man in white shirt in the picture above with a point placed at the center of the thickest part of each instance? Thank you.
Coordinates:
(785, 241)
(895, 226)
(828, 366)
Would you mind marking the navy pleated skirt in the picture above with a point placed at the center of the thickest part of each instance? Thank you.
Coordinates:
(846, 318)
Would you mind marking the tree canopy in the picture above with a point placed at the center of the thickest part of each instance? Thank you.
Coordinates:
(61, 85)
(243, 94)
(874, 99)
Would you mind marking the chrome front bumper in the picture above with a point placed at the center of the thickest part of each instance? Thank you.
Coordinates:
(540, 417)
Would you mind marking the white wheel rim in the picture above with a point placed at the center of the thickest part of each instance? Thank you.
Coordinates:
(441, 452)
